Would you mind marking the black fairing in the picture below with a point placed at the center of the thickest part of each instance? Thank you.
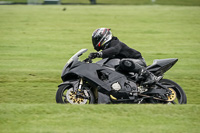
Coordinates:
(160, 66)
(97, 75)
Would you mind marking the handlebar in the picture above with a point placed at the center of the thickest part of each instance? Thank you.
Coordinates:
(88, 60)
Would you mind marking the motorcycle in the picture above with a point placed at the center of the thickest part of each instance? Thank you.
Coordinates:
(85, 82)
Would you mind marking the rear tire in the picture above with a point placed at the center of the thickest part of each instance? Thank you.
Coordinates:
(180, 94)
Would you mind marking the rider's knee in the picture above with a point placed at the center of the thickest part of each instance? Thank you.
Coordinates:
(127, 65)
(130, 66)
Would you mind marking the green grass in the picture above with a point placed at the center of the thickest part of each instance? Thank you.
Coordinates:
(36, 42)
(52, 118)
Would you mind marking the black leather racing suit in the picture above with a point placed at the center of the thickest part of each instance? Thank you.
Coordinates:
(131, 60)
(117, 49)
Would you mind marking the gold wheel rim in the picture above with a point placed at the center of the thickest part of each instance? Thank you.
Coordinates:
(172, 97)
(73, 99)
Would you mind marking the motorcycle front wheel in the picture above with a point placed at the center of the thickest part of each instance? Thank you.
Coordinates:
(66, 94)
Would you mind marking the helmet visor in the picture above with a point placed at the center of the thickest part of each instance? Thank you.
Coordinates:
(95, 42)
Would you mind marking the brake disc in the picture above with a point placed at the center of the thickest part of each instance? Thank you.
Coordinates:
(74, 99)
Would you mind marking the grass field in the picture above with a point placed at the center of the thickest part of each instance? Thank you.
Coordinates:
(36, 42)
(52, 118)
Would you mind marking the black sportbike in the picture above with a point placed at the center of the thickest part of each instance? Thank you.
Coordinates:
(85, 82)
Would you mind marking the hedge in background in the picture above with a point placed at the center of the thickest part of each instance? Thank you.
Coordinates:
(124, 2)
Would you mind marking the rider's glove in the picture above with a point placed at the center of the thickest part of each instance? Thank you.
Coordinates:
(95, 55)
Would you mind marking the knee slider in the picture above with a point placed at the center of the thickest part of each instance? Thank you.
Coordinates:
(127, 65)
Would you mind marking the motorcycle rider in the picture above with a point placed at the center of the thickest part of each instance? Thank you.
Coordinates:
(131, 59)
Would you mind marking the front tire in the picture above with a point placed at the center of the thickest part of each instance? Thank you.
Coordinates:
(65, 94)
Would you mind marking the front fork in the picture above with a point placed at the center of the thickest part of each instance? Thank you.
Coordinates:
(80, 84)
(80, 90)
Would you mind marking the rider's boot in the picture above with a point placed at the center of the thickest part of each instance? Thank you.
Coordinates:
(148, 77)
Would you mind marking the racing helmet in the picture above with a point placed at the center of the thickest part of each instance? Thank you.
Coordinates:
(101, 37)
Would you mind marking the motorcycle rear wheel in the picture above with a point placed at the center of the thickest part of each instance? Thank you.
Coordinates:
(65, 94)
(178, 95)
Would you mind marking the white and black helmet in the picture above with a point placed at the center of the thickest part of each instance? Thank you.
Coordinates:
(101, 37)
